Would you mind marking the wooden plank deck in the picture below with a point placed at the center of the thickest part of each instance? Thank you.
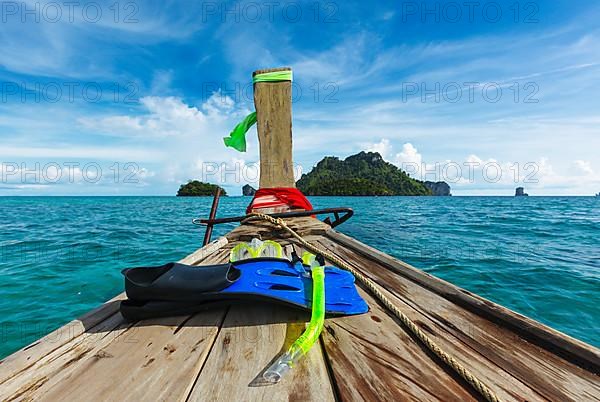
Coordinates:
(220, 354)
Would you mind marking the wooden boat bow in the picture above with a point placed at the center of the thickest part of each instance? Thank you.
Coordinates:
(220, 354)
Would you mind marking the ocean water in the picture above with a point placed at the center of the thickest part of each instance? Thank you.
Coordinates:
(540, 256)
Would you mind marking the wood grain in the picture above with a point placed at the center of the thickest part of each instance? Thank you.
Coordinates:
(24, 358)
(273, 103)
(511, 366)
(573, 350)
(373, 358)
(251, 338)
(160, 358)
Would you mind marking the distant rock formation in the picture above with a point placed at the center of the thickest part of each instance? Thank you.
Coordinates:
(440, 188)
(520, 192)
(365, 173)
(248, 190)
(195, 188)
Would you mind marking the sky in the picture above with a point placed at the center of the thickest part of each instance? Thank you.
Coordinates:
(134, 97)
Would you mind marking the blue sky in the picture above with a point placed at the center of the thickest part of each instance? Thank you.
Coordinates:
(135, 97)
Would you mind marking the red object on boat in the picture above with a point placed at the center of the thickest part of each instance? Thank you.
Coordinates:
(279, 199)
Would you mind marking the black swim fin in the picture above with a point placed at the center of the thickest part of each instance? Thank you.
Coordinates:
(175, 288)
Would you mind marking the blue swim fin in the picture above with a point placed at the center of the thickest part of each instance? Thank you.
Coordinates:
(175, 287)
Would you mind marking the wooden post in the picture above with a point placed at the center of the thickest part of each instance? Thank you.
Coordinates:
(273, 103)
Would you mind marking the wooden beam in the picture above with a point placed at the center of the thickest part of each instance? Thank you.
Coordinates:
(273, 103)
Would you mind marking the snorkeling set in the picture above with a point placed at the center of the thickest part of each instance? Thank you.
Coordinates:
(256, 271)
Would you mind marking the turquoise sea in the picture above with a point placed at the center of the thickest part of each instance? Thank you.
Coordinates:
(540, 256)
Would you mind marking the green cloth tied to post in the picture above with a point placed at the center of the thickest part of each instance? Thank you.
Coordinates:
(237, 137)
(273, 76)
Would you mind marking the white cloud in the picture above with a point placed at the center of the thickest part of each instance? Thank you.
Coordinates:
(161, 82)
(408, 159)
(388, 15)
(408, 156)
(383, 147)
(474, 159)
(171, 116)
(115, 153)
(476, 175)
(164, 139)
(189, 137)
(582, 167)
(51, 38)
(53, 173)
(578, 177)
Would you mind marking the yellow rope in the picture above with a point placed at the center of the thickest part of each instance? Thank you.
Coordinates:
(476, 383)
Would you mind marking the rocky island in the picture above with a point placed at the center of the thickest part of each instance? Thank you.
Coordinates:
(195, 188)
(520, 192)
(365, 173)
(248, 190)
(439, 188)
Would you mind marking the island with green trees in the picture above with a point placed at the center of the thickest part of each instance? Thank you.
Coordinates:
(365, 173)
(195, 188)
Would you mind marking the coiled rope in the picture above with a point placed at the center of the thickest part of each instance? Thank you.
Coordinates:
(476, 383)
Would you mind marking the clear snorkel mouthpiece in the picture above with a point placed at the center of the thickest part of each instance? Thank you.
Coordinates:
(303, 344)
(281, 366)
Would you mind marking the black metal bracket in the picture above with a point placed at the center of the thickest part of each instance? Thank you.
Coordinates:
(340, 214)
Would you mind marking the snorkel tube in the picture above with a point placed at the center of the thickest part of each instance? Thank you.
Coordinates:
(303, 344)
